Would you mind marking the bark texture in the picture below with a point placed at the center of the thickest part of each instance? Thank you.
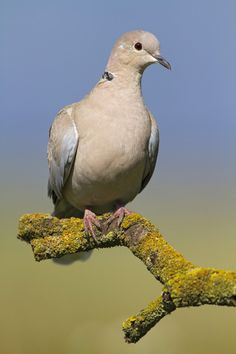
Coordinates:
(184, 284)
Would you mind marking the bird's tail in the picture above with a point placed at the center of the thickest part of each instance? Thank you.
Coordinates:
(64, 210)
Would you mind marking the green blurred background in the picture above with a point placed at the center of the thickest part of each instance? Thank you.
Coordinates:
(52, 53)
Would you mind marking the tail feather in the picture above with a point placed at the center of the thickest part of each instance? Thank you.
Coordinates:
(62, 209)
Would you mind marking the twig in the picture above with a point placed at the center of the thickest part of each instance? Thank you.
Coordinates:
(184, 284)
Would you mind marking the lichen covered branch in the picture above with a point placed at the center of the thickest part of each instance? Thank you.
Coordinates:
(184, 284)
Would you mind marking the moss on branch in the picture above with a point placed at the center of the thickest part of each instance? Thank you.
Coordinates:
(184, 284)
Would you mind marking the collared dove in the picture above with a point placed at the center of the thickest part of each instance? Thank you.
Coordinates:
(102, 150)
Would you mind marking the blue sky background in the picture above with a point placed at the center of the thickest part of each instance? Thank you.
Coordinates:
(52, 53)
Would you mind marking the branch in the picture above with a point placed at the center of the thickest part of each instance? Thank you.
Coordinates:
(184, 284)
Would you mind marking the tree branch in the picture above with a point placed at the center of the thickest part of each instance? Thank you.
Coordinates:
(184, 284)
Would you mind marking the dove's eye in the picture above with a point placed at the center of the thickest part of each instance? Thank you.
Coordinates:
(138, 46)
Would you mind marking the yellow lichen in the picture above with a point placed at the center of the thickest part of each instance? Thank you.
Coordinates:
(184, 283)
(130, 220)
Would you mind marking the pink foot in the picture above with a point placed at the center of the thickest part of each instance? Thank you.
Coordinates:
(119, 214)
(90, 220)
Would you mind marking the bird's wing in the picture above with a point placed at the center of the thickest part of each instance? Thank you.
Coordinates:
(62, 147)
(153, 147)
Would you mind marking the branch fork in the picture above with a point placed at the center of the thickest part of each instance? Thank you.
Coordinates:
(184, 284)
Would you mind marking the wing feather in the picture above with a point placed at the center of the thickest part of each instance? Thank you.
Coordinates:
(153, 148)
(62, 148)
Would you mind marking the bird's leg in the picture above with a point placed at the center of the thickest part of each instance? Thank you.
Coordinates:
(90, 219)
(119, 214)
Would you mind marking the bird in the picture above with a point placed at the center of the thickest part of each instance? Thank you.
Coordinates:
(102, 151)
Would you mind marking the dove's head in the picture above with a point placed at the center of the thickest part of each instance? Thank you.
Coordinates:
(135, 51)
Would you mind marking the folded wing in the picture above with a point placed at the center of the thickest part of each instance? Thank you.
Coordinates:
(62, 148)
(153, 147)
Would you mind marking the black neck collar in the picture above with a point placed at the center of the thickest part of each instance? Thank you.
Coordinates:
(108, 76)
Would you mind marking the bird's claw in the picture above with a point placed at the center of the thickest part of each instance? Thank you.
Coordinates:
(119, 214)
(90, 219)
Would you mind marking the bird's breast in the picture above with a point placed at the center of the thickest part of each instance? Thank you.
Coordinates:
(111, 155)
(113, 145)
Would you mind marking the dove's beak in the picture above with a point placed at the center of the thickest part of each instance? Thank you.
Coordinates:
(162, 61)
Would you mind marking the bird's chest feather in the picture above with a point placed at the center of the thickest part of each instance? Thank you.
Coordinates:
(115, 144)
